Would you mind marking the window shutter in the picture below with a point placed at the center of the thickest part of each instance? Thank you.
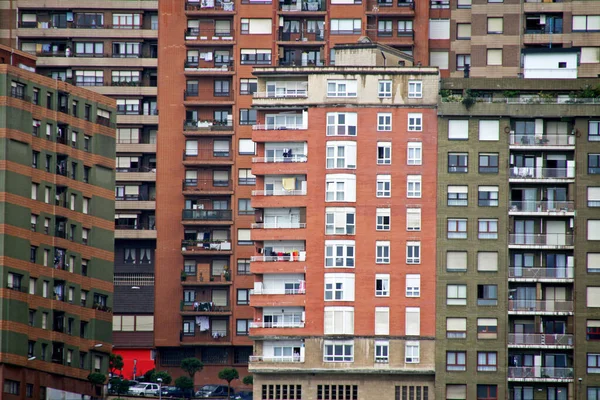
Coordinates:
(489, 130)
(382, 320)
(243, 235)
(593, 194)
(456, 324)
(488, 188)
(349, 321)
(487, 261)
(191, 174)
(439, 29)
(456, 260)
(116, 322)
(456, 392)
(221, 175)
(247, 146)
(221, 145)
(593, 260)
(260, 26)
(413, 280)
(350, 157)
(458, 129)
(128, 323)
(219, 297)
(413, 321)
(463, 31)
(495, 24)
(132, 189)
(590, 55)
(593, 323)
(413, 218)
(593, 296)
(144, 323)
(328, 321)
(191, 147)
(438, 59)
(494, 57)
(593, 229)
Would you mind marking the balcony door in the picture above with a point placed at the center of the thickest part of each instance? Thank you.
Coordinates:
(525, 298)
(556, 196)
(524, 231)
(556, 233)
(523, 261)
(557, 264)
(555, 295)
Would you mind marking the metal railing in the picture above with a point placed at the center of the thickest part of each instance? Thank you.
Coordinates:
(541, 239)
(439, 4)
(278, 291)
(282, 192)
(277, 127)
(140, 226)
(517, 139)
(195, 125)
(206, 215)
(540, 305)
(206, 336)
(541, 273)
(206, 185)
(540, 339)
(203, 306)
(542, 206)
(207, 94)
(285, 256)
(263, 324)
(302, 35)
(207, 154)
(540, 373)
(205, 245)
(288, 359)
(541, 173)
(297, 94)
(209, 34)
(288, 225)
(295, 158)
(218, 5)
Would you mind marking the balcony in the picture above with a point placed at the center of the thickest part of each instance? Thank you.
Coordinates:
(200, 280)
(136, 174)
(218, 67)
(540, 374)
(207, 157)
(542, 208)
(280, 231)
(294, 164)
(135, 146)
(214, 337)
(540, 274)
(195, 187)
(213, 37)
(279, 133)
(281, 255)
(277, 360)
(276, 325)
(300, 37)
(540, 240)
(280, 99)
(542, 142)
(278, 198)
(391, 7)
(206, 217)
(540, 340)
(263, 297)
(289, 225)
(540, 174)
(203, 308)
(137, 231)
(540, 307)
(207, 128)
(205, 247)
(207, 98)
(302, 7)
(198, 8)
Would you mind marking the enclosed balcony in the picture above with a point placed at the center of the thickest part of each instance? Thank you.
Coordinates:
(278, 319)
(288, 92)
(302, 32)
(279, 290)
(541, 240)
(208, 246)
(391, 7)
(545, 207)
(280, 252)
(279, 223)
(205, 301)
(540, 307)
(541, 141)
(302, 7)
(216, 35)
(135, 226)
(540, 374)
(288, 158)
(279, 352)
(542, 233)
(214, 62)
(540, 340)
(217, 96)
(210, 186)
(541, 274)
(211, 7)
(195, 127)
(206, 217)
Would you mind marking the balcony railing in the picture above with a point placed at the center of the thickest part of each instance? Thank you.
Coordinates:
(281, 255)
(206, 215)
(277, 127)
(540, 373)
(205, 245)
(207, 95)
(541, 239)
(541, 173)
(195, 125)
(540, 305)
(302, 35)
(540, 339)
(209, 34)
(541, 273)
(542, 206)
(207, 155)
(282, 324)
(439, 4)
(295, 158)
(207, 185)
(203, 6)
(278, 291)
(138, 227)
(282, 192)
(203, 306)
(213, 335)
(295, 94)
(290, 359)
(542, 140)
(279, 225)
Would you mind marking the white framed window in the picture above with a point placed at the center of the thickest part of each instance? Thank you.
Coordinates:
(382, 351)
(411, 352)
(487, 261)
(383, 216)
(256, 26)
(456, 295)
(586, 23)
(346, 26)
(382, 285)
(495, 25)
(413, 252)
(489, 130)
(439, 28)
(458, 129)
(338, 351)
(382, 252)
(594, 130)
(414, 153)
(593, 296)
(458, 196)
(341, 123)
(384, 186)
(415, 89)
(339, 287)
(413, 285)
(456, 328)
(593, 196)
(439, 59)
(457, 228)
(341, 88)
(340, 187)
(384, 153)
(593, 229)
(384, 122)
(34, 191)
(339, 254)
(593, 262)
(413, 186)
(494, 56)
(456, 261)
(246, 146)
(382, 320)
(488, 229)
(413, 321)
(415, 122)
(341, 155)
(340, 220)
(339, 320)
(384, 88)
(413, 219)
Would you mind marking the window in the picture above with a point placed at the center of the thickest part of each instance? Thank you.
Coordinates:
(384, 28)
(382, 320)
(413, 252)
(255, 56)
(487, 261)
(248, 86)
(339, 320)
(346, 26)
(382, 351)
(593, 164)
(487, 328)
(414, 153)
(36, 96)
(439, 59)
(593, 196)
(245, 177)
(594, 131)
(35, 155)
(382, 285)
(242, 297)
(456, 328)
(494, 57)
(341, 155)
(382, 252)
(412, 321)
(243, 237)
(45, 286)
(488, 196)
(256, 26)
(456, 261)
(242, 327)
(413, 285)
(34, 191)
(456, 295)
(246, 147)
(593, 229)
(495, 25)
(458, 196)
(411, 353)
(338, 351)
(384, 153)
(340, 187)
(593, 393)
(463, 31)
(89, 78)
(128, 77)
(44, 320)
(126, 21)
(339, 287)
(14, 281)
(384, 186)
(489, 392)
(458, 129)
(487, 295)
(462, 60)
(89, 49)
(457, 229)
(415, 89)
(33, 254)
(458, 162)
(456, 361)
(385, 88)
(341, 124)
(488, 229)
(12, 387)
(339, 254)
(413, 186)
(383, 222)
(592, 330)
(593, 363)
(488, 163)
(340, 220)
(384, 122)
(345, 88)
(35, 129)
(415, 122)
(413, 219)
(586, 23)
(247, 116)
(32, 285)
(489, 130)
(487, 361)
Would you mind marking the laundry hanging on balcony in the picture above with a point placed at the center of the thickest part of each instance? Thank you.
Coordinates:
(203, 323)
(288, 184)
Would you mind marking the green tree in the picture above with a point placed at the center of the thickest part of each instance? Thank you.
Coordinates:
(164, 375)
(228, 374)
(115, 363)
(149, 375)
(191, 365)
(120, 386)
(248, 380)
(96, 378)
(186, 384)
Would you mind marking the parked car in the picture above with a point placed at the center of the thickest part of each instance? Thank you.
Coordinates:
(243, 395)
(171, 392)
(213, 391)
(144, 389)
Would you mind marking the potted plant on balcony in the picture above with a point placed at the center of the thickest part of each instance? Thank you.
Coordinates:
(227, 274)
(183, 276)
